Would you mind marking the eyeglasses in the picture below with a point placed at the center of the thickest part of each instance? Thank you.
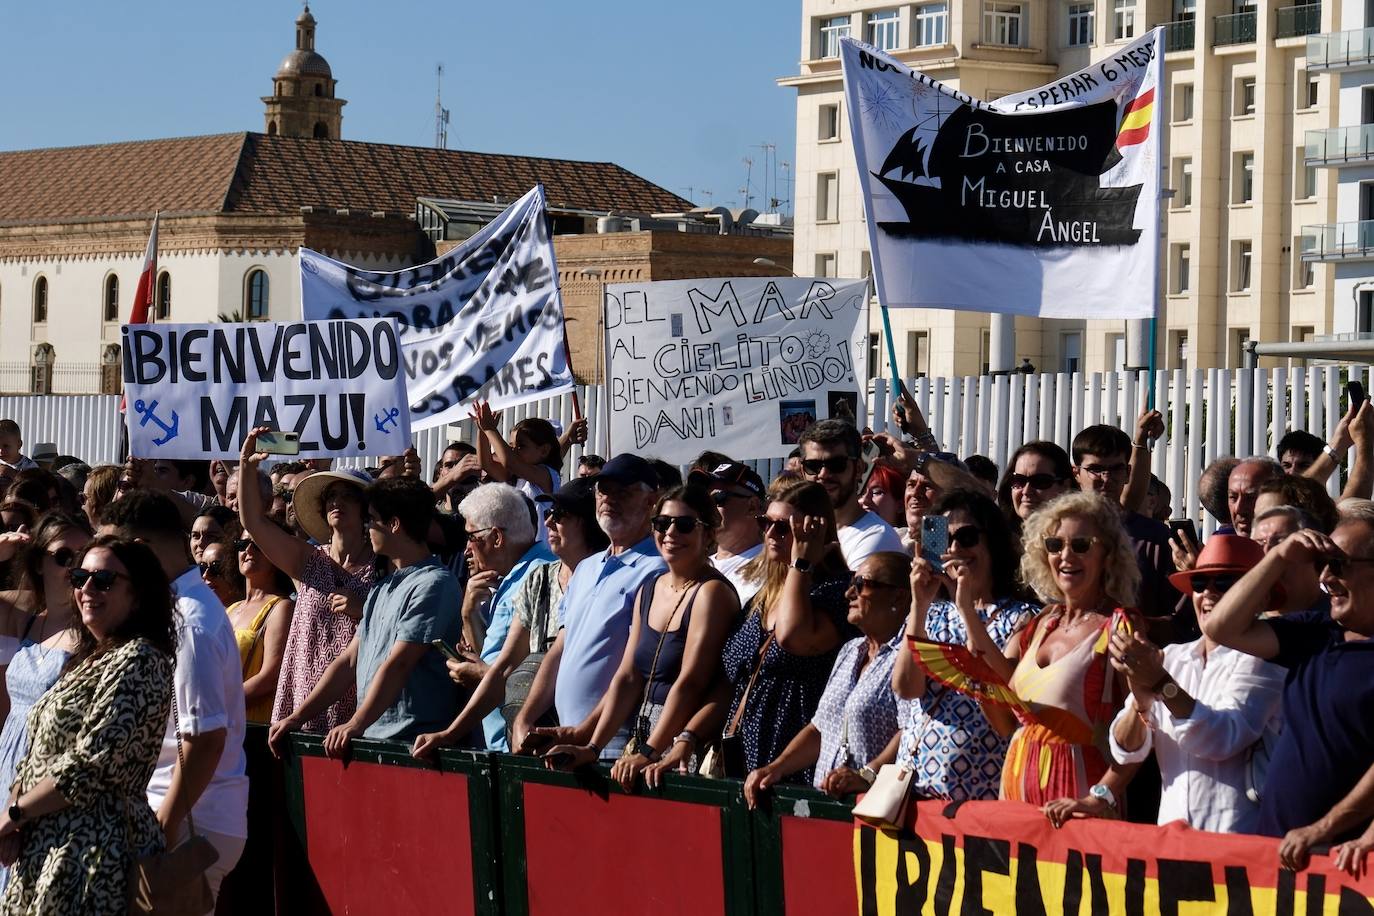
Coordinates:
(1080, 545)
(721, 497)
(212, 569)
(1202, 583)
(63, 556)
(771, 525)
(835, 464)
(474, 535)
(1336, 564)
(102, 579)
(685, 524)
(243, 544)
(1105, 473)
(862, 583)
(968, 536)
(1034, 481)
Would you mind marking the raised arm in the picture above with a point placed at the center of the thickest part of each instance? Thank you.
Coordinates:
(282, 550)
(1339, 444)
(908, 680)
(1234, 621)
(1360, 484)
(1148, 428)
(797, 626)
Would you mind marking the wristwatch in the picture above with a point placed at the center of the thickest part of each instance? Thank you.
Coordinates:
(647, 752)
(802, 565)
(867, 774)
(1104, 793)
(16, 813)
(1170, 690)
(1338, 458)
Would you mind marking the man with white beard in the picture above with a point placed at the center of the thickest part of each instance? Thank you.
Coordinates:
(598, 604)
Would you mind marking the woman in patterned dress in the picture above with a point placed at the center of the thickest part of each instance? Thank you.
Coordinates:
(954, 752)
(333, 576)
(78, 812)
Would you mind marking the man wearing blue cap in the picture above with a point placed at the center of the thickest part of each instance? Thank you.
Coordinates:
(597, 607)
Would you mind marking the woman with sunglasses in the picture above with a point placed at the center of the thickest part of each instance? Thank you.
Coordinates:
(1079, 557)
(681, 619)
(855, 729)
(1037, 472)
(1201, 707)
(972, 600)
(220, 570)
(530, 461)
(261, 620)
(94, 739)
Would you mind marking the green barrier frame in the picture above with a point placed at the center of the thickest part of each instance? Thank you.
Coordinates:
(478, 767)
(780, 802)
(512, 773)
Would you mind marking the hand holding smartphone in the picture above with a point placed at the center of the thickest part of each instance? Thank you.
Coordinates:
(934, 540)
(279, 442)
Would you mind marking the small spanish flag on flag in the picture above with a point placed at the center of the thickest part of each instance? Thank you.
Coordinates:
(1135, 127)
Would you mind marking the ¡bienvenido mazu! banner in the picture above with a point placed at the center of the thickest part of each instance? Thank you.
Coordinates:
(740, 366)
(1041, 203)
(195, 390)
(482, 322)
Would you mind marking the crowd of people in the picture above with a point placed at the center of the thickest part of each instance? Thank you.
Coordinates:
(717, 624)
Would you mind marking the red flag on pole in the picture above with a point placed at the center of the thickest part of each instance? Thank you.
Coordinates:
(143, 295)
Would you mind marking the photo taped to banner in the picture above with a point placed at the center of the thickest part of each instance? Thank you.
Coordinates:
(195, 390)
(1042, 203)
(741, 365)
(483, 321)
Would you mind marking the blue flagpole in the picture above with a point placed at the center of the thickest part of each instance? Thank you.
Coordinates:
(893, 384)
(1150, 382)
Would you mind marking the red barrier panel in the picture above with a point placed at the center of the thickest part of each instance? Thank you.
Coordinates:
(812, 885)
(1004, 857)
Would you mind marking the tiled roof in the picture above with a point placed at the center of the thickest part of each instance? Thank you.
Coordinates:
(257, 173)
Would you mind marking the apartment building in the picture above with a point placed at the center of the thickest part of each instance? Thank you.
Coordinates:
(1241, 180)
(1346, 247)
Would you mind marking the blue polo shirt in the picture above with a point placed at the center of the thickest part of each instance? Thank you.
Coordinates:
(502, 607)
(1328, 723)
(596, 615)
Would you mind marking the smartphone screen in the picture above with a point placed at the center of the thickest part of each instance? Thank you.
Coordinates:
(1355, 392)
(447, 650)
(934, 539)
(279, 442)
(1185, 531)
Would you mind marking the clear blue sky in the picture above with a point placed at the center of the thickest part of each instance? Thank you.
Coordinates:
(679, 92)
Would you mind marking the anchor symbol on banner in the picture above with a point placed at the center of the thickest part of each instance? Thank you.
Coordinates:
(385, 417)
(147, 410)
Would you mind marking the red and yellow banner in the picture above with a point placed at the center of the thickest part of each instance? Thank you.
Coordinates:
(1004, 857)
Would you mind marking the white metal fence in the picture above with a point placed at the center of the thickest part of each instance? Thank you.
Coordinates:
(1208, 413)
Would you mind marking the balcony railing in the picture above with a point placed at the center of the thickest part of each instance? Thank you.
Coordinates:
(1179, 35)
(1339, 145)
(1341, 49)
(1234, 29)
(1338, 241)
(1293, 21)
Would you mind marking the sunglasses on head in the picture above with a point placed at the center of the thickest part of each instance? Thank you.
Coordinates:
(771, 525)
(102, 579)
(1078, 545)
(685, 524)
(63, 556)
(863, 583)
(210, 569)
(967, 536)
(1201, 583)
(835, 464)
(1034, 481)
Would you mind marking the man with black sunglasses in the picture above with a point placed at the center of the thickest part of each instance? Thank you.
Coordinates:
(1320, 786)
(832, 457)
(739, 494)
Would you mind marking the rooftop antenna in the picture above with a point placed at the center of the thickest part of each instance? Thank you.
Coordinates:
(440, 112)
(748, 180)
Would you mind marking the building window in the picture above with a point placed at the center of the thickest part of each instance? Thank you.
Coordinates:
(255, 295)
(1245, 96)
(829, 122)
(1182, 268)
(1306, 176)
(1178, 349)
(1183, 183)
(932, 25)
(40, 300)
(827, 202)
(984, 351)
(1304, 272)
(1183, 102)
(1241, 257)
(1364, 317)
(1080, 24)
(1070, 351)
(832, 30)
(1312, 84)
(163, 298)
(875, 366)
(825, 264)
(1185, 10)
(1123, 19)
(1244, 190)
(882, 29)
(865, 264)
(1237, 341)
(111, 301)
(1002, 23)
(917, 354)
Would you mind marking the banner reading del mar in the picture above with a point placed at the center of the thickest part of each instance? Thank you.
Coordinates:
(1041, 203)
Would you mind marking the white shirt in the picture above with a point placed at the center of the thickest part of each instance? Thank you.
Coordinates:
(541, 530)
(868, 535)
(730, 567)
(208, 690)
(1203, 758)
